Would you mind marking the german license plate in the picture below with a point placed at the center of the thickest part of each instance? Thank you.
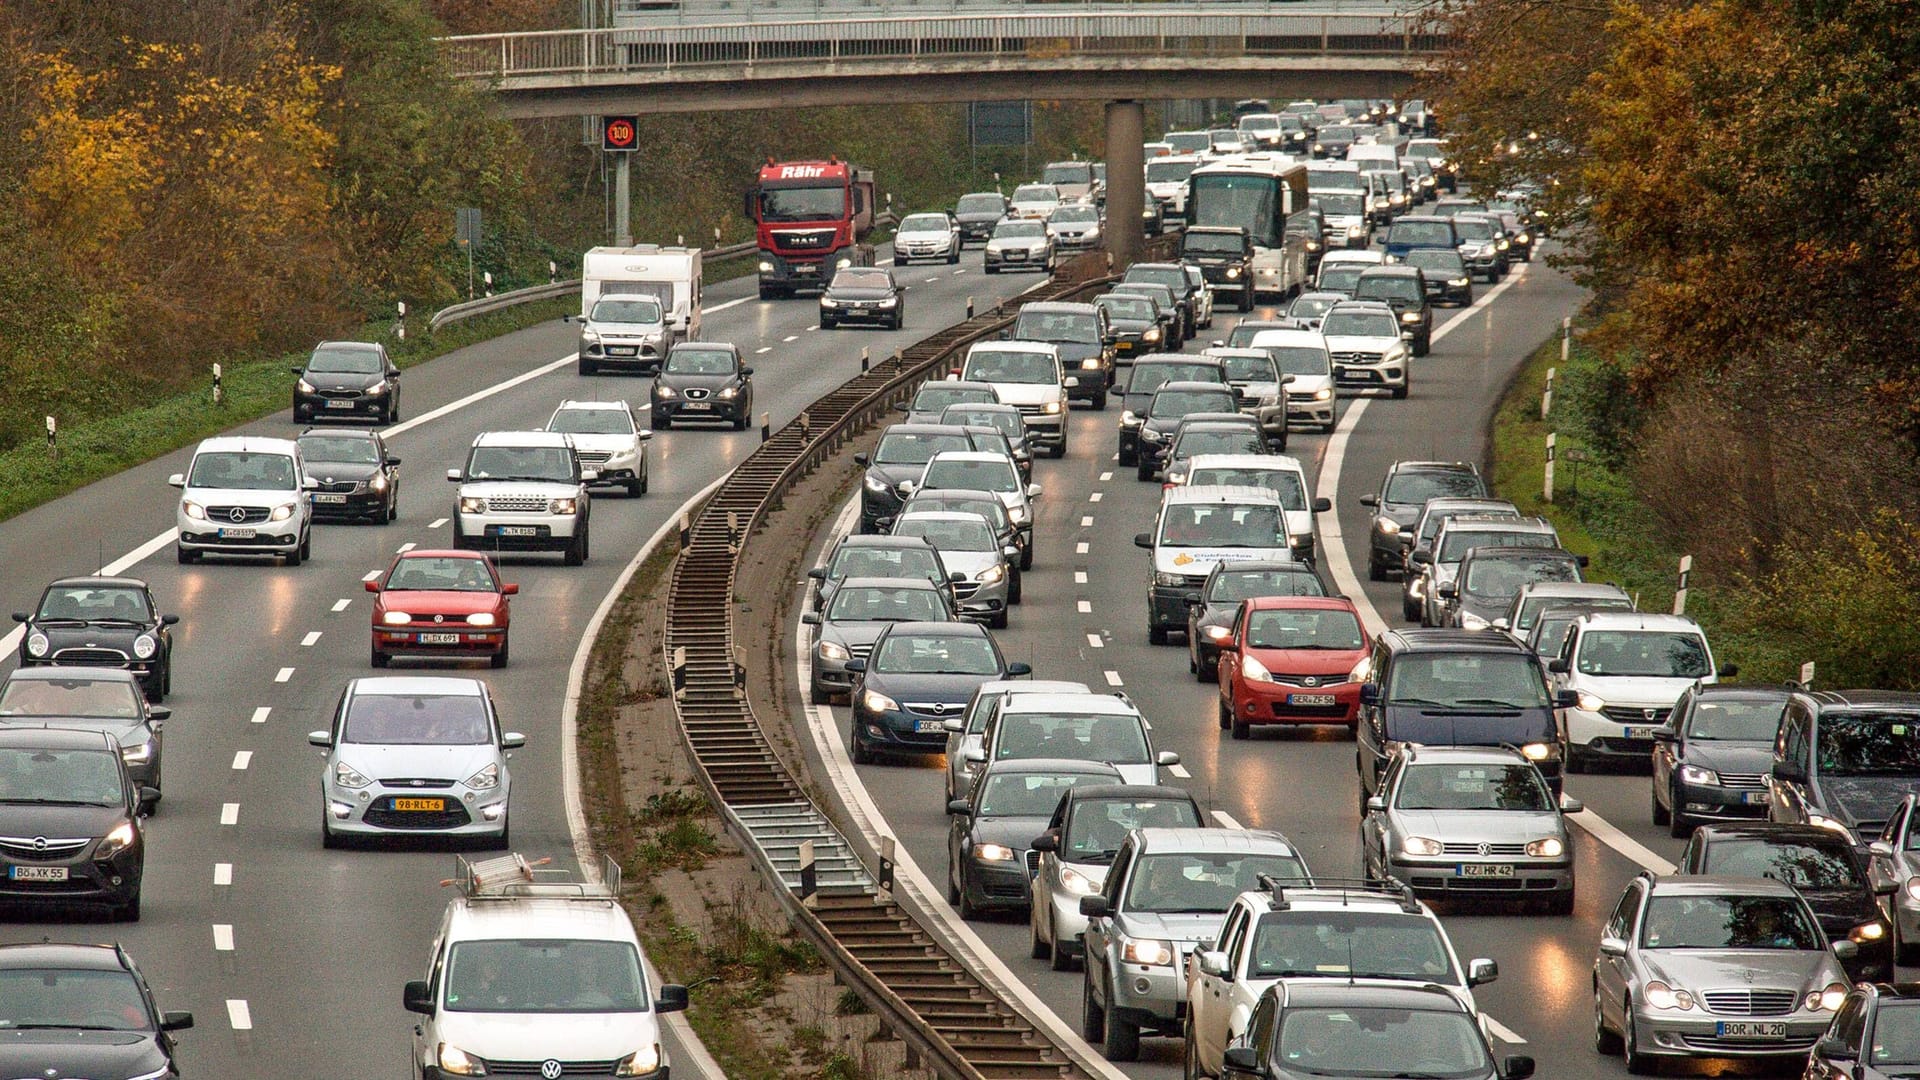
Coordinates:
(1756, 798)
(519, 530)
(1641, 733)
(929, 725)
(1750, 1029)
(439, 639)
(1311, 699)
(340, 404)
(699, 406)
(325, 498)
(428, 805)
(1501, 870)
(237, 534)
(805, 268)
(621, 350)
(37, 873)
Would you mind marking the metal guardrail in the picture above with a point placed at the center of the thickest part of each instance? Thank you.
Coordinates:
(652, 12)
(1193, 32)
(487, 305)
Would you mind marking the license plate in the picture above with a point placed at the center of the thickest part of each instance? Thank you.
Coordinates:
(804, 269)
(430, 805)
(1311, 699)
(1757, 798)
(325, 498)
(1640, 733)
(924, 726)
(699, 406)
(1484, 870)
(237, 534)
(1750, 1029)
(621, 350)
(519, 530)
(37, 873)
(439, 639)
(340, 404)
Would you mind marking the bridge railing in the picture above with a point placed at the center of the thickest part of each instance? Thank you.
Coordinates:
(654, 12)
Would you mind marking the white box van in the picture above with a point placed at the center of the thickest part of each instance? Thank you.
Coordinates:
(670, 275)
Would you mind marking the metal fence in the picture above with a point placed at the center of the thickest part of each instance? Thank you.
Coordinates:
(654, 12)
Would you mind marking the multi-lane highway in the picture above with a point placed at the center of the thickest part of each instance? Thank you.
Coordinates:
(1084, 619)
(287, 952)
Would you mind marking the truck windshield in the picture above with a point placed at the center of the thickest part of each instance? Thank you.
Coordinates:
(802, 203)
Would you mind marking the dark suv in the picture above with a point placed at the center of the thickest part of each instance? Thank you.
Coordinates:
(1455, 688)
(69, 795)
(1174, 277)
(1844, 759)
(82, 1010)
(1149, 374)
(1224, 254)
(1079, 332)
(1404, 289)
(1405, 490)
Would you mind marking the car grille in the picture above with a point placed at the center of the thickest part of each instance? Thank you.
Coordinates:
(567, 1068)
(384, 817)
(1624, 714)
(224, 515)
(1033, 863)
(1792, 1044)
(1744, 781)
(26, 847)
(937, 709)
(860, 652)
(594, 457)
(1504, 850)
(517, 503)
(816, 238)
(91, 657)
(1742, 1001)
(698, 393)
(414, 782)
(341, 487)
(1244, 399)
(1310, 681)
(1358, 357)
(963, 590)
(342, 394)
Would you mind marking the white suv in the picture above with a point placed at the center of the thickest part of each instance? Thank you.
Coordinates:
(608, 441)
(1368, 348)
(1026, 375)
(245, 495)
(1626, 671)
(523, 491)
(535, 974)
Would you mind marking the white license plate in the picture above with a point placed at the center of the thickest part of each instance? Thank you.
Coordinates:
(325, 498)
(621, 350)
(1757, 798)
(237, 534)
(37, 873)
(1484, 870)
(1640, 733)
(806, 268)
(341, 404)
(1750, 1029)
(439, 639)
(699, 406)
(924, 726)
(519, 530)
(1311, 699)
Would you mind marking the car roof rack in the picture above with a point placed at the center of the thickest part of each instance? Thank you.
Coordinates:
(1347, 888)
(515, 877)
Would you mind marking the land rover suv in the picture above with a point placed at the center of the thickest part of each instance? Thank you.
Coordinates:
(523, 491)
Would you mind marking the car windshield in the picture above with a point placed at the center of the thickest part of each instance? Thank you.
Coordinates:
(1213, 243)
(1235, 440)
(802, 203)
(1011, 366)
(1011, 229)
(1728, 922)
(1437, 263)
(1127, 307)
(1244, 333)
(1363, 944)
(1474, 229)
(626, 309)
(110, 699)
(918, 223)
(1098, 826)
(1455, 545)
(343, 449)
(1373, 324)
(1115, 738)
(592, 422)
(1803, 866)
(1416, 486)
(862, 277)
(860, 561)
(1171, 172)
(417, 720)
(1300, 359)
(1034, 795)
(1222, 525)
(76, 998)
(1422, 233)
(980, 204)
(1075, 215)
(1734, 720)
(1233, 586)
(1896, 1033)
(1532, 606)
(1203, 882)
(537, 463)
(912, 448)
(1643, 654)
(1388, 287)
(1004, 421)
(1472, 787)
(949, 534)
(996, 476)
(1467, 681)
(1170, 404)
(982, 503)
(448, 573)
(61, 777)
(876, 604)
(1342, 203)
(90, 603)
(1173, 277)
(546, 975)
(1283, 482)
(243, 470)
(937, 655)
(1332, 629)
(1067, 326)
(1311, 307)
(346, 362)
(1507, 575)
(1870, 744)
(1550, 633)
(1243, 368)
(684, 361)
(1147, 378)
(1348, 1041)
(1035, 193)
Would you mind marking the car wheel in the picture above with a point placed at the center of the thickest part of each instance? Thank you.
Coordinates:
(1156, 635)
(740, 422)
(1038, 948)
(1026, 556)
(1093, 1018)
(1576, 760)
(1375, 571)
(129, 911)
(306, 545)
(1400, 392)
(826, 323)
(1247, 300)
(992, 269)
(187, 558)
(1128, 457)
(1604, 1041)
(818, 696)
(393, 503)
(954, 258)
(1226, 713)
(499, 659)
(503, 842)
(899, 318)
(1013, 589)
(1204, 673)
(1409, 610)
(1060, 448)
(327, 838)
(1903, 952)
(998, 620)
(663, 421)
(1099, 401)
(1637, 1063)
(588, 367)
(292, 558)
(1061, 960)
(1560, 903)
(1661, 816)
(861, 755)
(576, 552)
(968, 910)
(1241, 729)
(1123, 1040)
(1190, 1053)
(1143, 470)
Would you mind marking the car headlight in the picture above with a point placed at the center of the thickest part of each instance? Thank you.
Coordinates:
(37, 644)
(1076, 882)
(639, 1063)
(144, 645)
(889, 301)
(1661, 996)
(766, 267)
(1827, 998)
(454, 1061)
(486, 779)
(1091, 363)
(1548, 848)
(118, 839)
(481, 618)
(1128, 418)
(347, 776)
(829, 302)
(1502, 245)
(1019, 514)
(728, 392)
(1318, 147)
(282, 513)
(1523, 238)
(1233, 273)
(1866, 932)
(1537, 751)
(139, 754)
(1590, 702)
(472, 505)
(1152, 333)
(378, 483)
(1313, 245)
(878, 486)
(1409, 316)
(1254, 670)
(833, 650)
(993, 852)
(1694, 774)
(1161, 577)
(873, 701)
(661, 390)
(843, 263)
(1150, 436)
(1470, 621)
(993, 575)
(1356, 230)
(1323, 394)
(1459, 282)
(1218, 633)
(1148, 951)
(1387, 526)
(376, 390)
(396, 618)
(563, 506)
(1052, 408)
(1420, 845)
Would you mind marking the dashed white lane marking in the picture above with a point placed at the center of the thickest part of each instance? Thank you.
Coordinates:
(931, 280)
(370, 575)
(722, 307)
(308, 641)
(763, 349)
(238, 1015)
(1085, 606)
(223, 873)
(1095, 497)
(341, 605)
(230, 813)
(1226, 820)
(791, 337)
(283, 675)
(404, 548)
(812, 328)
(1080, 548)
(1502, 1031)
(436, 523)
(960, 271)
(242, 758)
(1105, 476)
(223, 937)
(1179, 772)
(1093, 641)
(1079, 577)
(1113, 679)
(260, 714)
(1086, 522)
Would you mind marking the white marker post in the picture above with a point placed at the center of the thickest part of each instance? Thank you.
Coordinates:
(1546, 395)
(1546, 487)
(1806, 675)
(1566, 337)
(219, 394)
(1680, 594)
(487, 276)
(400, 324)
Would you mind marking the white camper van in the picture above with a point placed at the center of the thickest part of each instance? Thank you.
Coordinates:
(615, 285)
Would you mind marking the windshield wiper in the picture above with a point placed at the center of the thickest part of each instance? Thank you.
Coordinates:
(114, 622)
(65, 1027)
(1497, 704)
(44, 621)
(20, 800)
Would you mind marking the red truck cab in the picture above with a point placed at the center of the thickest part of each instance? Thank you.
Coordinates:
(810, 218)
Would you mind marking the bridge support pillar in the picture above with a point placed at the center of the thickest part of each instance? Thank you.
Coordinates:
(1126, 180)
(623, 200)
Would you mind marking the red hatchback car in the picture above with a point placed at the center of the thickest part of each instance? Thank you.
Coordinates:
(441, 604)
(1289, 661)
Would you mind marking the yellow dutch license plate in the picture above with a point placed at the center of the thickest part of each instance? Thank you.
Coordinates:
(420, 804)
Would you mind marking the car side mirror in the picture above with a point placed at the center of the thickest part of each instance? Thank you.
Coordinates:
(1406, 335)
(393, 462)
(1095, 907)
(588, 476)
(454, 476)
(1835, 1048)
(1369, 693)
(818, 573)
(1237, 1058)
(1034, 491)
(1322, 505)
(1845, 950)
(21, 616)
(150, 797)
(1516, 1067)
(417, 997)
(810, 618)
(1789, 772)
(1019, 669)
(1613, 946)
(1144, 540)
(1422, 557)
(855, 666)
(1369, 500)
(1449, 592)
(1166, 757)
(953, 727)
(1570, 805)
(158, 712)
(177, 1020)
(1728, 671)
(297, 370)
(673, 998)
(1880, 848)
(177, 480)
(512, 740)
(1558, 665)
(1481, 971)
(976, 755)
(957, 577)
(1010, 551)
(510, 589)
(1376, 805)
(862, 459)
(1046, 841)
(644, 435)
(1071, 382)
(906, 488)
(959, 808)
(1582, 561)
(1660, 734)
(321, 739)
(1213, 962)
(1193, 598)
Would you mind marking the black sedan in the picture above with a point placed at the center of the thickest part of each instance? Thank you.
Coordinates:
(81, 1010)
(101, 622)
(1712, 756)
(359, 480)
(917, 676)
(106, 700)
(703, 380)
(991, 834)
(866, 294)
(347, 379)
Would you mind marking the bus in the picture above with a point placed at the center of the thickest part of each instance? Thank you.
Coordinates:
(1263, 194)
